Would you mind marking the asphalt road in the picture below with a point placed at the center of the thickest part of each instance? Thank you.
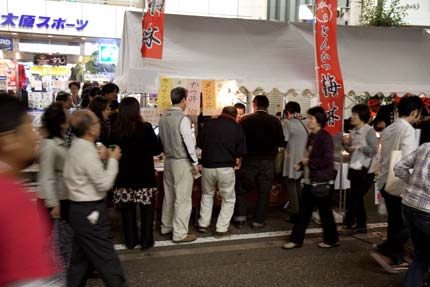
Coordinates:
(257, 262)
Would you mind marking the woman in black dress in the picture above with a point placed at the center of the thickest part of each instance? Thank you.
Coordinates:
(135, 184)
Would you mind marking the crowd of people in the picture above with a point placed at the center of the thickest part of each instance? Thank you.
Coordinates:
(93, 146)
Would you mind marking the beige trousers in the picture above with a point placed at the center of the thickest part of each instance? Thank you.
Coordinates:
(177, 204)
(223, 178)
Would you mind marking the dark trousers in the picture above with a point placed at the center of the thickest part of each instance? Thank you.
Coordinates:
(418, 224)
(397, 233)
(261, 172)
(92, 246)
(308, 204)
(361, 181)
(129, 225)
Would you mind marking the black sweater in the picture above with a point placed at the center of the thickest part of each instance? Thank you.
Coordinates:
(136, 166)
(222, 141)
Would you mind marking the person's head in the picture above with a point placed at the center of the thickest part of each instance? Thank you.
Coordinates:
(65, 99)
(110, 90)
(17, 137)
(86, 85)
(240, 109)
(85, 124)
(292, 109)
(128, 118)
(230, 111)
(316, 119)
(100, 106)
(74, 88)
(410, 108)
(179, 97)
(260, 102)
(54, 121)
(360, 115)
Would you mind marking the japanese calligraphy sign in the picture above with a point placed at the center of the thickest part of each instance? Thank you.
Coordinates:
(34, 21)
(194, 88)
(209, 98)
(163, 100)
(329, 76)
(153, 30)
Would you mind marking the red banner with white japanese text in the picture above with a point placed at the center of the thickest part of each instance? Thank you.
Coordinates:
(329, 76)
(153, 30)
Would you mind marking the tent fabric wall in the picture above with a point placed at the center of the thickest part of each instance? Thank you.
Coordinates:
(274, 57)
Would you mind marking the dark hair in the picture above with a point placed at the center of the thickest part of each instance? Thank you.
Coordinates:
(86, 85)
(240, 106)
(362, 111)
(319, 115)
(128, 118)
(80, 122)
(62, 96)
(52, 120)
(261, 101)
(98, 105)
(292, 108)
(110, 88)
(85, 101)
(177, 95)
(229, 110)
(77, 84)
(408, 104)
(12, 113)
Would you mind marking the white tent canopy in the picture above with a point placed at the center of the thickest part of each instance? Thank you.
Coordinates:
(273, 55)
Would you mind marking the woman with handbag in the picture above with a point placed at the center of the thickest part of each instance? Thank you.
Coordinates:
(318, 176)
(362, 145)
(135, 184)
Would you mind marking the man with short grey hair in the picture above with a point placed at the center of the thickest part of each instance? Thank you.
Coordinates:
(222, 141)
(181, 162)
(88, 181)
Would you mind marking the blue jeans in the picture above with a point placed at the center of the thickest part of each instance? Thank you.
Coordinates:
(418, 224)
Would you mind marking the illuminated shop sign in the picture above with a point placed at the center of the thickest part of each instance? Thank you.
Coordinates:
(6, 44)
(32, 21)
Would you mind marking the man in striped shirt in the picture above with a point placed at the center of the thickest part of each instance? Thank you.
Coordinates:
(416, 209)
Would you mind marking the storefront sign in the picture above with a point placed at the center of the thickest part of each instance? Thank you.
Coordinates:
(6, 44)
(163, 100)
(194, 88)
(329, 76)
(48, 70)
(209, 98)
(53, 60)
(8, 69)
(33, 21)
(153, 30)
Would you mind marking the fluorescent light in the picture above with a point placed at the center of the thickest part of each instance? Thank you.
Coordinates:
(17, 55)
(50, 36)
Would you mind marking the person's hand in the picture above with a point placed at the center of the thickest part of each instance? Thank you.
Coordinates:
(55, 212)
(346, 139)
(305, 161)
(116, 153)
(196, 169)
(298, 167)
(103, 152)
(237, 163)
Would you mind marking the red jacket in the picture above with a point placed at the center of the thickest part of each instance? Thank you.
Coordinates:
(25, 252)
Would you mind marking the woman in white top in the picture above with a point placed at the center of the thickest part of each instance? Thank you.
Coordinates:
(362, 146)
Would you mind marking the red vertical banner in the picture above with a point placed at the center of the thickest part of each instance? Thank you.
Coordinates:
(153, 30)
(329, 75)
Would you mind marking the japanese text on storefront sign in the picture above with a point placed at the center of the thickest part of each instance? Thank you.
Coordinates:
(163, 99)
(329, 76)
(33, 21)
(153, 30)
(209, 98)
(194, 88)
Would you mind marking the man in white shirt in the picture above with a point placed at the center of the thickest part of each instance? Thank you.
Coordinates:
(180, 165)
(88, 181)
(391, 252)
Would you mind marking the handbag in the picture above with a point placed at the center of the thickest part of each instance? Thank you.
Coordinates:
(320, 190)
(279, 162)
(394, 185)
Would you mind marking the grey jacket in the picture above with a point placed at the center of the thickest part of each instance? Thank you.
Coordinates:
(52, 189)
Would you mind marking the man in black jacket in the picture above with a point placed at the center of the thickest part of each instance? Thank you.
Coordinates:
(222, 141)
(264, 135)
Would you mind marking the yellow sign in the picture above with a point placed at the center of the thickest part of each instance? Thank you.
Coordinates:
(209, 98)
(163, 98)
(54, 71)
